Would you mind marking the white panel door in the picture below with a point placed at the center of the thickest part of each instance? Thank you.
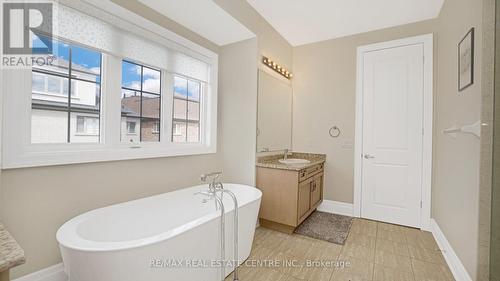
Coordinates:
(393, 87)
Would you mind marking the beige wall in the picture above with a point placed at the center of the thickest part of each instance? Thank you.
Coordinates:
(238, 110)
(487, 116)
(324, 87)
(456, 160)
(495, 202)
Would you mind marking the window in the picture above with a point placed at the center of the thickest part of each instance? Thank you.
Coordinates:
(156, 128)
(88, 105)
(46, 84)
(186, 112)
(55, 115)
(131, 128)
(87, 125)
(141, 100)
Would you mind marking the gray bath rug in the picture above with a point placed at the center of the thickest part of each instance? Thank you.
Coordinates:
(325, 226)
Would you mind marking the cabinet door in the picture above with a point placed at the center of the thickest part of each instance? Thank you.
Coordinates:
(304, 198)
(316, 190)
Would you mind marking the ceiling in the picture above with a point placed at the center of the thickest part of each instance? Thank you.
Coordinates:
(204, 18)
(304, 22)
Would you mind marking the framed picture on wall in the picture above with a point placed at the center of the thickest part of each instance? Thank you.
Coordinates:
(466, 61)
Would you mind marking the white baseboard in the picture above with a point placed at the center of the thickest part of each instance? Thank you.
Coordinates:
(336, 207)
(454, 263)
(53, 273)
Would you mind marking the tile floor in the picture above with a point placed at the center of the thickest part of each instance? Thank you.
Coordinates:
(373, 251)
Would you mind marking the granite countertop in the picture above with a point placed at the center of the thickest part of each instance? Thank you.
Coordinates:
(11, 254)
(273, 163)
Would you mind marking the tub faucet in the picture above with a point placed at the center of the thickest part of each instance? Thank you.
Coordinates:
(212, 178)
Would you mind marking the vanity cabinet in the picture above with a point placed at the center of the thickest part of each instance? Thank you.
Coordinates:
(289, 196)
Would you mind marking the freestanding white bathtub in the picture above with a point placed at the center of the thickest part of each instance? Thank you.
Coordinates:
(169, 237)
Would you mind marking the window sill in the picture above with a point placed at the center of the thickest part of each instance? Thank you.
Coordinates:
(92, 153)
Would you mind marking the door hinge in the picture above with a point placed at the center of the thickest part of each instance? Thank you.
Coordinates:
(421, 204)
(422, 131)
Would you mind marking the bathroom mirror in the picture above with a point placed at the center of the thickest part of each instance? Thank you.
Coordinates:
(274, 120)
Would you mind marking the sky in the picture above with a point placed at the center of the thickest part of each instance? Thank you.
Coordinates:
(81, 56)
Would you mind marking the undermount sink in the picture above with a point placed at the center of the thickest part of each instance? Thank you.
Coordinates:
(294, 161)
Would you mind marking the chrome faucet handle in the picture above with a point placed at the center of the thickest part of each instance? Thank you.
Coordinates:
(213, 175)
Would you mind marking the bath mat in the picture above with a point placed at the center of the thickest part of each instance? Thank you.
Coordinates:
(325, 226)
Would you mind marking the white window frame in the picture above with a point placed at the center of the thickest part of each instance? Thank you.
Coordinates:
(18, 152)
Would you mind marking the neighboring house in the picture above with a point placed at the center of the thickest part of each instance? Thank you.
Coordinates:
(50, 110)
(133, 126)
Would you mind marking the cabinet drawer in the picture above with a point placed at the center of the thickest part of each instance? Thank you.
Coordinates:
(309, 172)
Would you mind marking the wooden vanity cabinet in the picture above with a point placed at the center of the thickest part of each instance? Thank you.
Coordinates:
(289, 196)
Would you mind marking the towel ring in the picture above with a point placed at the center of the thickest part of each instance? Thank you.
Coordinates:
(334, 132)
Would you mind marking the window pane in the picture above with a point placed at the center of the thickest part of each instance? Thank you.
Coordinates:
(179, 132)
(131, 103)
(141, 105)
(38, 82)
(84, 127)
(194, 90)
(193, 132)
(85, 95)
(180, 109)
(49, 126)
(80, 124)
(150, 106)
(131, 75)
(149, 131)
(66, 88)
(50, 108)
(130, 128)
(86, 63)
(193, 111)
(92, 125)
(59, 50)
(151, 80)
(54, 99)
(180, 87)
(54, 85)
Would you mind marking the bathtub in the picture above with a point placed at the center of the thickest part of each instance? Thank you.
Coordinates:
(169, 237)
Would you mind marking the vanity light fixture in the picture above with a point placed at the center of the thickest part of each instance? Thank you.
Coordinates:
(276, 67)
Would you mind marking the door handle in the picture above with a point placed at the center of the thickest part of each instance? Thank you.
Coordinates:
(368, 156)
